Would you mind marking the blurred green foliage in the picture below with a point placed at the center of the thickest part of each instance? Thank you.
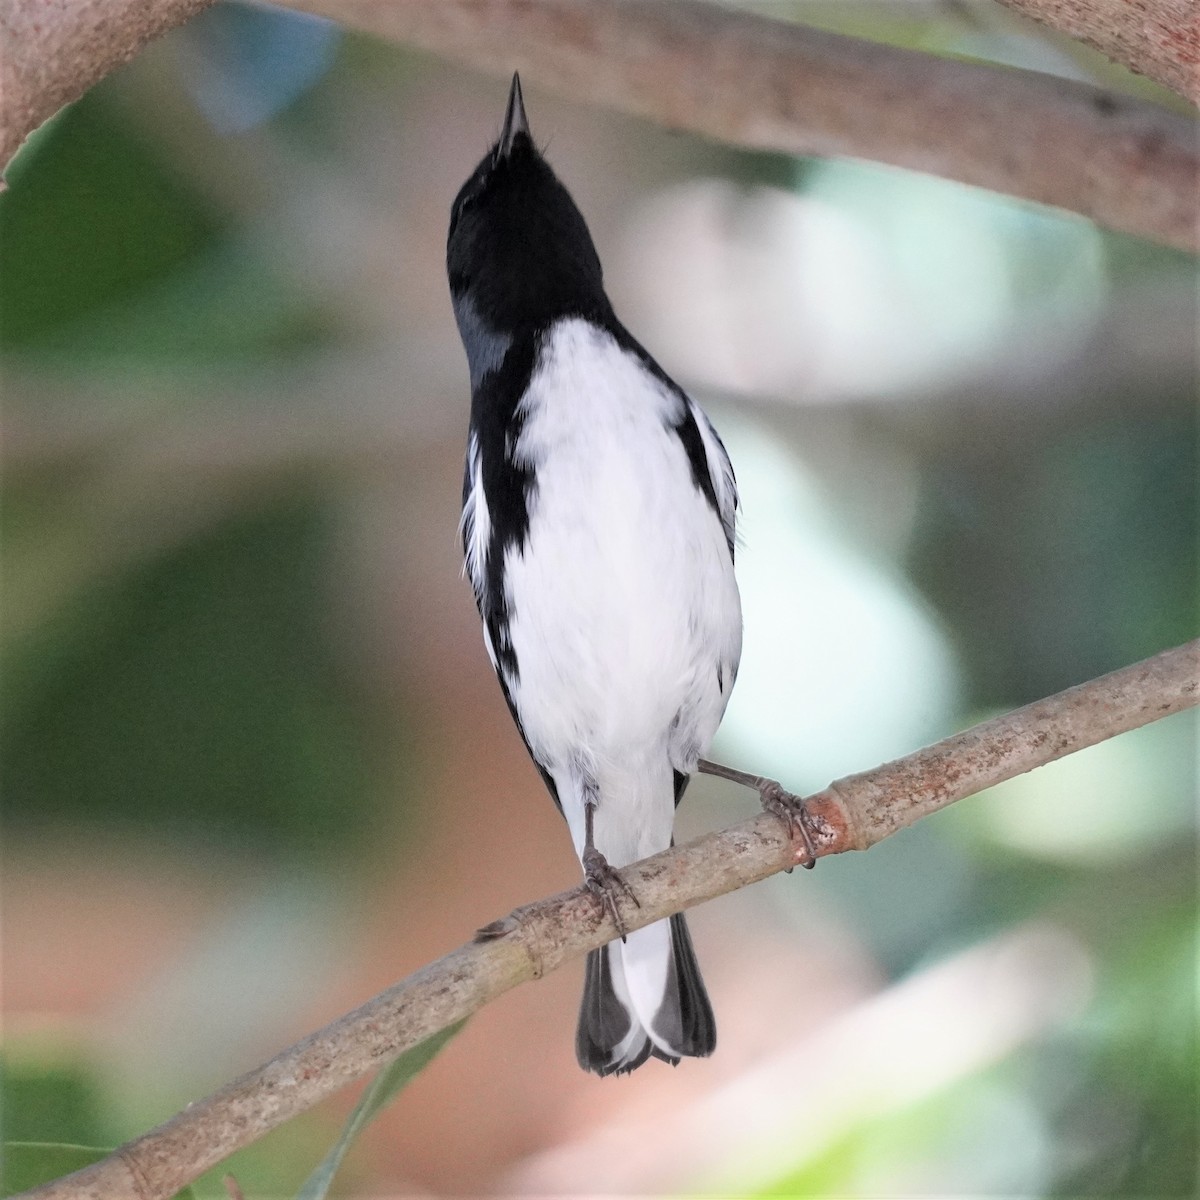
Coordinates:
(194, 694)
(91, 219)
(27, 1164)
(1078, 548)
(54, 1092)
(55, 1095)
(107, 253)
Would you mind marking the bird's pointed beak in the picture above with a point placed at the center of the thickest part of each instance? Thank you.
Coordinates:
(514, 119)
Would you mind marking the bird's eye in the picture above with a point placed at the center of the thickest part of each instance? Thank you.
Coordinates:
(464, 202)
(468, 199)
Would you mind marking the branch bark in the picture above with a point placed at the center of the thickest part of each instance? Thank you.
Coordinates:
(851, 814)
(1159, 39)
(54, 50)
(733, 76)
(776, 85)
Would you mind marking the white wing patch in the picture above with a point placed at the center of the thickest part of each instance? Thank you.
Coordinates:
(475, 527)
(720, 471)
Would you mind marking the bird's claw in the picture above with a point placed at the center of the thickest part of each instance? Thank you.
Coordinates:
(604, 883)
(789, 808)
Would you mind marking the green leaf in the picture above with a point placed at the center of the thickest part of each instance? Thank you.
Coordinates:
(30, 1164)
(383, 1090)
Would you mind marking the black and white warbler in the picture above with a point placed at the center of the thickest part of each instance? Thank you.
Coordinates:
(598, 530)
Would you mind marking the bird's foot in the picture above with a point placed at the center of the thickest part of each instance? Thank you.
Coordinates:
(606, 884)
(789, 808)
(776, 800)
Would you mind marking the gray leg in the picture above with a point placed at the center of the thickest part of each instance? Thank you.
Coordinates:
(776, 799)
(599, 878)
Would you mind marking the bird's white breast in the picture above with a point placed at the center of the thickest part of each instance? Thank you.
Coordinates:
(623, 605)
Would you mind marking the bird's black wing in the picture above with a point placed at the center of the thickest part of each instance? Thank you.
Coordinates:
(712, 472)
(496, 492)
(495, 514)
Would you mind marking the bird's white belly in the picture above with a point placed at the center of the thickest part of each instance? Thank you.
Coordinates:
(622, 600)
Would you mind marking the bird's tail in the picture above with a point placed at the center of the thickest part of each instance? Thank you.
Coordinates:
(643, 997)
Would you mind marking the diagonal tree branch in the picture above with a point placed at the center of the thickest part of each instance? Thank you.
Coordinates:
(776, 85)
(1159, 39)
(851, 814)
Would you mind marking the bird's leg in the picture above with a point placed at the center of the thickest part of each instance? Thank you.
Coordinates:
(776, 799)
(599, 878)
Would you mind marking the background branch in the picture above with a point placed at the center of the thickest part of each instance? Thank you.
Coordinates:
(776, 85)
(1160, 39)
(54, 50)
(741, 78)
(851, 814)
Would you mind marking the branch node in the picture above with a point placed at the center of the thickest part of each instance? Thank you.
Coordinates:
(835, 820)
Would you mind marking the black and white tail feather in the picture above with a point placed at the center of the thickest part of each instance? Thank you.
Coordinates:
(614, 1036)
(598, 531)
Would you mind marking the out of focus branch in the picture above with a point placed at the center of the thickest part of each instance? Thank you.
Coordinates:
(776, 85)
(738, 77)
(52, 51)
(851, 814)
(1156, 38)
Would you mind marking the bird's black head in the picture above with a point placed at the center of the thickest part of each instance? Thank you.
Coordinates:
(518, 253)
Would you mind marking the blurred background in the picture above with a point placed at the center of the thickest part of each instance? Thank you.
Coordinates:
(256, 764)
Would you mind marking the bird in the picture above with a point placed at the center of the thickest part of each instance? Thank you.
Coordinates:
(599, 533)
